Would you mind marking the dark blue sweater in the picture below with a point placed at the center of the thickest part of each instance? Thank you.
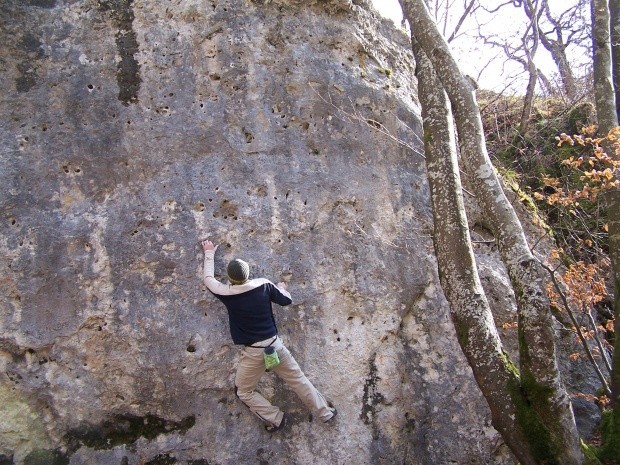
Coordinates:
(250, 313)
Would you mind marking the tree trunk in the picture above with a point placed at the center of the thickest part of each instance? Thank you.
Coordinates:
(472, 318)
(604, 94)
(607, 116)
(558, 53)
(532, 13)
(557, 49)
(614, 17)
(542, 404)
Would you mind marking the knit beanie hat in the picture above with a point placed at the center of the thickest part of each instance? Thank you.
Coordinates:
(238, 271)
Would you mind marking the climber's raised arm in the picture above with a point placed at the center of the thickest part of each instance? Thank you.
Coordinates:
(209, 267)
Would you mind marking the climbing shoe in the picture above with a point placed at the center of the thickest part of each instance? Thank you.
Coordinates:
(335, 412)
(271, 428)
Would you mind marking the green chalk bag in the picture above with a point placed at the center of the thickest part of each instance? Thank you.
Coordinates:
(271, 358)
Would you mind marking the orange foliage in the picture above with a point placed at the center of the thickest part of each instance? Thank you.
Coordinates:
(585, 285)
(602, 401)
(600, 172)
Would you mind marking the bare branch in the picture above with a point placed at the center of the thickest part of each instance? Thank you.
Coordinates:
(577, 326)
(515, 3)
(375, 125)
(468, 10)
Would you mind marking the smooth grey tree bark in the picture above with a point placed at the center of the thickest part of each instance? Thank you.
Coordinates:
(614, 18)
(469, 308)
(602, 71)
(557, 48)
(542, 406)
(532, 69)
(607, 116)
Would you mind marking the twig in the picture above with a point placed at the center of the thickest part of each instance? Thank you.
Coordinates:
(538, 241)
(377, 126)
(582, 338)
(597, 338)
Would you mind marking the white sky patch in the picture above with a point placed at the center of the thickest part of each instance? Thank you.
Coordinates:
(489, 65)
(390, 9)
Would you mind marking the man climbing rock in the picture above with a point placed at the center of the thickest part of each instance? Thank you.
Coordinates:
(252, 325)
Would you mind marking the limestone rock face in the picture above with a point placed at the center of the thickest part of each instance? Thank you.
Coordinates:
(131, 129)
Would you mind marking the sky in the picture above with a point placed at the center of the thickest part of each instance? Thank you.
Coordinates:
(390, 9)
(496, 74)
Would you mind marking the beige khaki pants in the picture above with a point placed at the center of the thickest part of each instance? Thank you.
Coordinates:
(252, 367)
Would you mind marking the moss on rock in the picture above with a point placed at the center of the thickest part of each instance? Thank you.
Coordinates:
(526, 396)
(21, 427)
(46, 457)
(125, 429)
(610, 437)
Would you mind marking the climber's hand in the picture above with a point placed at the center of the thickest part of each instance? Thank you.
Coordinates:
(208, 246)
(281, 285)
